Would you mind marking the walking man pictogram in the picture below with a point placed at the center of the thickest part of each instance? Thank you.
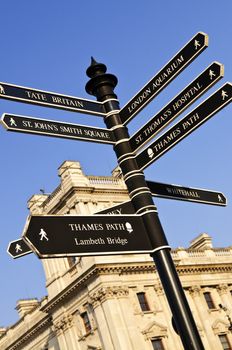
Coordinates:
(12, 122)
(2, 91)
(18, 248)
(43, 235)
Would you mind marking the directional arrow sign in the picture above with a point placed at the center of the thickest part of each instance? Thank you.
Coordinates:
(180, 61)
(50, 99)
(185, 126)
(56, 236)
(46, 127)
(189, 194)
(18, 248)
(183, 100)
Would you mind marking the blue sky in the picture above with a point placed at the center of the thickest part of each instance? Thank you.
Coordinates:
(47, 45)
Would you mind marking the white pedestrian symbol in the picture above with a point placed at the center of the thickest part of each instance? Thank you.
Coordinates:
(150, 152)
(224, 95)
(12, 122)
(43, 235)
(196, 44)
(220, 198)
(18, 248)
(211, 74)
(2, 91)
(129, 227)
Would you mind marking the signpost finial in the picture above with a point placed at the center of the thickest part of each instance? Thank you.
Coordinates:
(95, 68)
(99, 78)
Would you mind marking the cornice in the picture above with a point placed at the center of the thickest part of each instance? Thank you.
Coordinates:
(122, 269)
(69, 290)
(204, 268)
(30, 333)
(94, 271)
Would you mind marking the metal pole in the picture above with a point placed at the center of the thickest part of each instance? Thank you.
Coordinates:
(102, 86)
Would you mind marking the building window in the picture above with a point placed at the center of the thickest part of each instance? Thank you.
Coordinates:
(86, 322)
(224, 341)
(209, 300)
(157, 344)
(143, 301)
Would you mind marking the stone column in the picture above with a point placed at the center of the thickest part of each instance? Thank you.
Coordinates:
(104, 332)
(195, 293)
(66, 335)
(223, 291)
(110, 314)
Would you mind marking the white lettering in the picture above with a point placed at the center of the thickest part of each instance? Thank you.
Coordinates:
(36, 96)
(117, 240)
(67, 101)
(140, 99)
(191, 120)
(86, 227)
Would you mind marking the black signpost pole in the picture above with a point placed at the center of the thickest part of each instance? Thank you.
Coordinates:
(102, 86)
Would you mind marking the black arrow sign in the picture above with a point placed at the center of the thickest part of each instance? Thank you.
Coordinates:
(180, 61)
(18, 248)
(183, 100)
(50, 99)
(185, 126)
(190, 194)
(56, 236)
(46, 127)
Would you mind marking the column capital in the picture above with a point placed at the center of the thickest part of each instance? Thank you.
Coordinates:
(222, 288)
(195, 290)
(105, 293)
(62, 324)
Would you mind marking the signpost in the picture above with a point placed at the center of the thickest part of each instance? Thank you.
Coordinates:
(102, 86)
(183, 100)
(180, 61)
(50, 99)
(46, 127)
(185, 126)
(190, 194)
(60, 236)
(18, 248)
(54, 236)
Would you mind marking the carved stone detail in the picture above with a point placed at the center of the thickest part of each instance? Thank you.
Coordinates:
(222, 288)
(105, 293)
(61, 325)
(195, 291)
(154, 329)
(159, 289)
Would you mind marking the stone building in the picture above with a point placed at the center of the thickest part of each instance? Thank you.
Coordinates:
(117, 302)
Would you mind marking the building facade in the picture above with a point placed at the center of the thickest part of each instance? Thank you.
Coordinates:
(117, 302)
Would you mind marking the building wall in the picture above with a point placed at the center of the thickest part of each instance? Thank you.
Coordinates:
(103, 290)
